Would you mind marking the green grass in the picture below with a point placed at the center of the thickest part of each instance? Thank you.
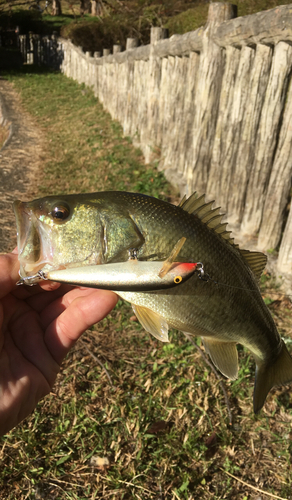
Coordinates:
(161, 421)
(86, 151)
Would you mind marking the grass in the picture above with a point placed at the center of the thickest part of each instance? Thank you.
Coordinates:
(104, 161)
(160, 425)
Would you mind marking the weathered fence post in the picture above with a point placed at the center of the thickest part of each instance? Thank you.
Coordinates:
(212, 59)
(158, 34)
(278, 191)
(150, 128)
(245, 122)
(177, 104)
(267, 136)
(131, 43)
(96, 56)
(29, 45)
(117, 49)
(112, 74)
(124, 104)
(23, 49)
(284, 263)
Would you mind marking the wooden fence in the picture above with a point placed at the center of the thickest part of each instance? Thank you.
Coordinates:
(41, 50)
(217, 104)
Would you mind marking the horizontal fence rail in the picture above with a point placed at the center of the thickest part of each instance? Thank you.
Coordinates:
(216, 103)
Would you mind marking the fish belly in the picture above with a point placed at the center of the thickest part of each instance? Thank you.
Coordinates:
(198, 308)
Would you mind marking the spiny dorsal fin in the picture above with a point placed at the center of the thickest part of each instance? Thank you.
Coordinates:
(182, 201)
(256, 260)
(192, 203)
(209, 216)
(212, 218)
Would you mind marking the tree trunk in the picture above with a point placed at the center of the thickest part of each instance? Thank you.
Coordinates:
(96, 8)
(56, 9)
(85, 7)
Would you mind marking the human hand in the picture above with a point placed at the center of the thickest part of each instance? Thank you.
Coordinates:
(38, 326)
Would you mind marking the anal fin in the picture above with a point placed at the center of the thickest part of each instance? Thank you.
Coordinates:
(152, 322)
(224, 356)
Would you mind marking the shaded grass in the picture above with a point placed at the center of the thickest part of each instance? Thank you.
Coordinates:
(163, 423)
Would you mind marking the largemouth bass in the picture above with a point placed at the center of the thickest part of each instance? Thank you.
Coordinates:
(225, 308)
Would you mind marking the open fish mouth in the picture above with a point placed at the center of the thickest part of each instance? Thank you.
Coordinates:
(33, 241)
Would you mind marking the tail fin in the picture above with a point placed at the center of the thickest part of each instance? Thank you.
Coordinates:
(270, 375)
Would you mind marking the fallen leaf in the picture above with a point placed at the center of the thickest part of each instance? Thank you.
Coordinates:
(212, 446)
(100, 463)
(147, 384)
(158, 426)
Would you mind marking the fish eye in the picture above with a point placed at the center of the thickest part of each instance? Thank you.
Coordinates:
(60, 212)
(177, 279)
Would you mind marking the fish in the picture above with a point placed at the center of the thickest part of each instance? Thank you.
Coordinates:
(222, 303)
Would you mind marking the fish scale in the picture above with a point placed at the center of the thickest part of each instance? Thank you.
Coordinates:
(100, 228)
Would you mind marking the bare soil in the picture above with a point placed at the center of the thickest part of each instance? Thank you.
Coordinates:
(20, 160)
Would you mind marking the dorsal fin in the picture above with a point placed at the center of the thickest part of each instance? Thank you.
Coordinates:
(212, 218)
(192, 203)
(208, 215)
(203, 210)
(182, 201)
(215, 221)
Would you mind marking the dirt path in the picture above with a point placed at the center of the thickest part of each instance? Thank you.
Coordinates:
(20, 160)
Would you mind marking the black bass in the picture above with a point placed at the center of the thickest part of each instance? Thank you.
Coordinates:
(225, 309)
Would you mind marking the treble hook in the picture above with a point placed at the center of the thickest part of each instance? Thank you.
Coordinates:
(32, 280)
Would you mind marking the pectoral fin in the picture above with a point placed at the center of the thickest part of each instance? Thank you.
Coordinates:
(224, 356)
(152, 322)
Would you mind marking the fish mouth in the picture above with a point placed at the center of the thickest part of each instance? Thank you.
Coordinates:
(33, 243)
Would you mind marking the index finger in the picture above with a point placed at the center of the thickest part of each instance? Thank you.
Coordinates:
(75, 315)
